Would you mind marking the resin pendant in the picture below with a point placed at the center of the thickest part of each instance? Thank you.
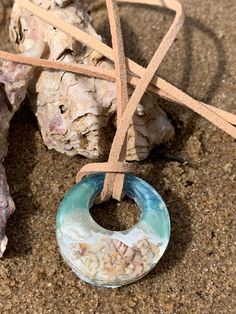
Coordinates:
(111, 258)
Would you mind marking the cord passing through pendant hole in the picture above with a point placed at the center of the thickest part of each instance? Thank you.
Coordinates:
(115, 216)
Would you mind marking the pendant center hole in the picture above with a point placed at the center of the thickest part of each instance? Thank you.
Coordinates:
(116, 216)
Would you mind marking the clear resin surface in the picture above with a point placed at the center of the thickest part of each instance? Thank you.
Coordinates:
(111, 258)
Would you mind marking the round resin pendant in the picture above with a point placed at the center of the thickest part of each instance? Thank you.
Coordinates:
(111, 258)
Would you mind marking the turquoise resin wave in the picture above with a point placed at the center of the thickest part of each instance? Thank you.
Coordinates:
(103, 257)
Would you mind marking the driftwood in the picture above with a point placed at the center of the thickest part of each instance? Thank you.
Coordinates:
(76, 114)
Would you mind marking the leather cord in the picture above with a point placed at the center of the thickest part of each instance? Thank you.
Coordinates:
(143, 79)
(157, 82)
(103, 74)
(113, 184)
(106, 75)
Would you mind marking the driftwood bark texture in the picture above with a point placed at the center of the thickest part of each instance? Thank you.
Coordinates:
(76, 114)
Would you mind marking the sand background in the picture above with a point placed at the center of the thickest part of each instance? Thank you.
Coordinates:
(196, 275)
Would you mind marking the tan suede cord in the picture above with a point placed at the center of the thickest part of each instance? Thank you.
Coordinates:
(113, 185)
(103, 74)
(143, 79)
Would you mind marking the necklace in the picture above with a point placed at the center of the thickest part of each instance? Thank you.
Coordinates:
(97, 255)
